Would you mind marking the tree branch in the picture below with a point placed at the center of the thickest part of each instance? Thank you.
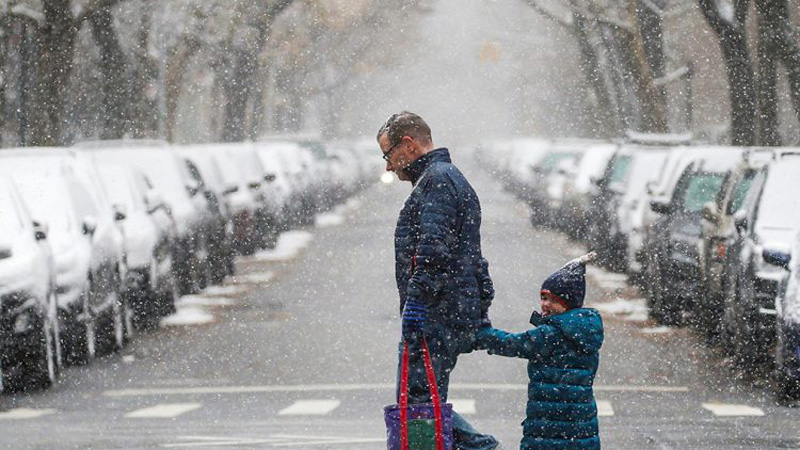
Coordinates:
(564, 21)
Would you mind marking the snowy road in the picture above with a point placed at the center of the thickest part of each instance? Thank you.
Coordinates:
(298, 351)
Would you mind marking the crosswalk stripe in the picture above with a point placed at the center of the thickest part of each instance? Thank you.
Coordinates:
(163, 411)
(731, 410)
(25, 413)
(604, 408)
(463, 406)
(310, 408)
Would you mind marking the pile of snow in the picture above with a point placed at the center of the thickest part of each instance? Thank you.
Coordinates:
(330, 219)
(223, 291)
(187, 315)
(656, 330)
(197, 300)
(634, 310)
(288, 247)
(252, 278)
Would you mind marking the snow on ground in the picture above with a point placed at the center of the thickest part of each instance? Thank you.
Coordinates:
(329, 219)
(634, 310)
(656, 330)
(187, 315)
(197, 300)
(289, 246)
(251, 278)
(223, 291)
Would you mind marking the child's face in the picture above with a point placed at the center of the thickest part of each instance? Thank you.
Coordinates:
(551, 305)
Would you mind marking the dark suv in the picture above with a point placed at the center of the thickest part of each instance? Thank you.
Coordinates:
(675, 266)
(770, 217)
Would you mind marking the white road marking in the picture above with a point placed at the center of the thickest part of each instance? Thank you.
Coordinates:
(604, 408)
(310, 408)
(463, 406)
(731, 410)
(25, 413)
(163, 411)
(216, 390)
(277, 440)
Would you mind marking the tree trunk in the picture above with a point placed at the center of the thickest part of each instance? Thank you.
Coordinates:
(741, 80)
(115, 87)
(239, 90)
(605, 112)
(648, 54)
(55, 46)
(768, 124)
(782, 43)
(144, 102)
(177, 63)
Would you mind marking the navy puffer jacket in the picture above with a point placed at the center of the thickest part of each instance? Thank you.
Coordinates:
(563, 355)
(438, 231)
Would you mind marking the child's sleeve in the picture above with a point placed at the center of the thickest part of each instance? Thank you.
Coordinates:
(531, 344)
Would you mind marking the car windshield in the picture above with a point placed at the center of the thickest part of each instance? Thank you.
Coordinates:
(703, 188)
(779, 206)
(551, 161)
(10, 221)
(46, 196)
(162, 169)
(118, 187)
(620, 169)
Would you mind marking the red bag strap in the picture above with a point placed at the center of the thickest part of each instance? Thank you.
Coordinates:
(437, 402)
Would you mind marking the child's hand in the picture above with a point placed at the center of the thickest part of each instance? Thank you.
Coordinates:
(480, 336)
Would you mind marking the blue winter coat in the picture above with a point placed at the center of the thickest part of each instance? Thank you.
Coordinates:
(438, 231)
(563, 355)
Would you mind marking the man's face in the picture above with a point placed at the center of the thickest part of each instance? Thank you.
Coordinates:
(398, 155)
(551, 304)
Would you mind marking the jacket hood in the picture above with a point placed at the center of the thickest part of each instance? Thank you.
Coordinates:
(417, 168)
(582, 326)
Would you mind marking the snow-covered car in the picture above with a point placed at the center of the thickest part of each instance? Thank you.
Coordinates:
(87, 248)
(183, 195)
(205, 168)
(578, 188)
(786, 384)
(716, 230)
(545, 186)
(30, 356)
(150, 233)
(674, 272)
(280, 185)
(769, 218)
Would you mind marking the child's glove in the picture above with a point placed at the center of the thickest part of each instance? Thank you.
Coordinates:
(415, 315)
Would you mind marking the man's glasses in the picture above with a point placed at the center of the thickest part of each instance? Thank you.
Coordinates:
(386, 156)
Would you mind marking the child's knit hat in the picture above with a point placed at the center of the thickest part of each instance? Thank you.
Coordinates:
(569, 282)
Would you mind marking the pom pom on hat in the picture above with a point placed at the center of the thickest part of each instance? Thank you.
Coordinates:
(569, 282)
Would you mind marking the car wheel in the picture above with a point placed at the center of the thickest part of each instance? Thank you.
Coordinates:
(786, 388)
(128, 314)
(79, 334)
(38, 369)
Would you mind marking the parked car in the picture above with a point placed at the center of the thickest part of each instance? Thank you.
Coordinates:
(184, 197)
(674, 271)
(578, 188)
(716, 230)
(786, 383)
(30, 356)
(87, 248)
(769, 218)
(149, 233)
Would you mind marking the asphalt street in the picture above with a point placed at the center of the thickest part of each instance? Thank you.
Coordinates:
(299, 351)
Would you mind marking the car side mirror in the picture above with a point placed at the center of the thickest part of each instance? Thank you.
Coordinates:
(270, 177)
(119, 212)
(710, 213)
(651, 188)
(153, 201)
(254, 185)
(39, 231)
(661, 207)
(89, 225)
(777, 258)
(230, 189)
(740, 220)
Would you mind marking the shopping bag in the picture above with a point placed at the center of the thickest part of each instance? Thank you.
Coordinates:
(425, 426)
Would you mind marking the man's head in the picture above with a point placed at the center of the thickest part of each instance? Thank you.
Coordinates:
(403, 139)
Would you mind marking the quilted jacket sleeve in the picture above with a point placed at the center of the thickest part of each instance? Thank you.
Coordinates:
(438, 218)
(532, 344)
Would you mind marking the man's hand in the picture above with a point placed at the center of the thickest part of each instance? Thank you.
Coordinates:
(414, 316)
(485, 321)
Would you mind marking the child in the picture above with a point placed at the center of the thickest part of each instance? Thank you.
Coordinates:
(563, 353)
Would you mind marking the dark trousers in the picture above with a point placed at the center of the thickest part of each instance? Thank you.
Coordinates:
(445, 344)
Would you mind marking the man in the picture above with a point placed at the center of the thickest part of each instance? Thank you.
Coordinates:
(442, 277)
